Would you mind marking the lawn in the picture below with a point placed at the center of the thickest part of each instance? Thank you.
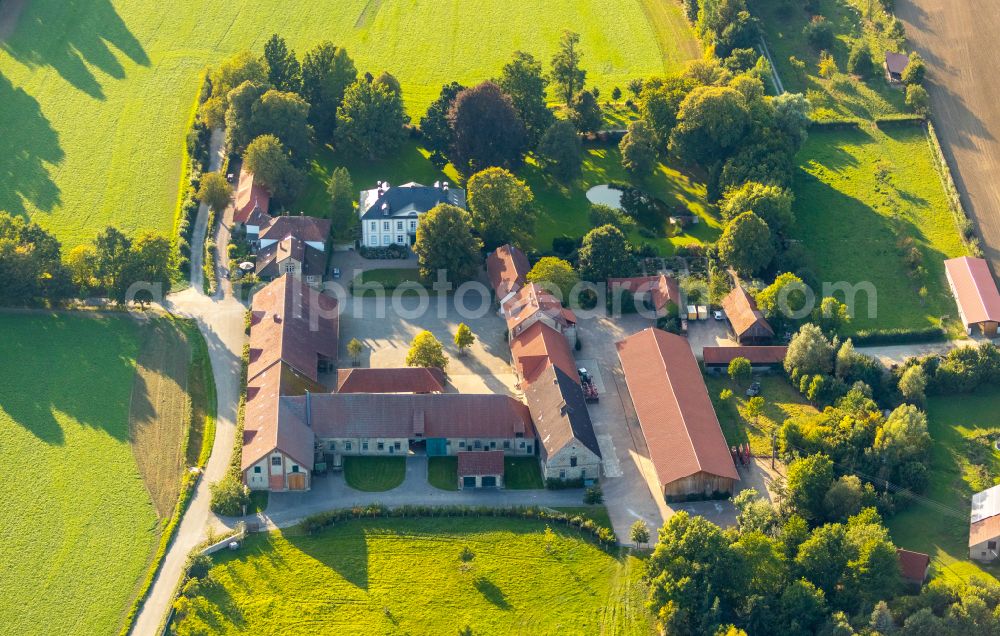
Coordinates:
(781, 402)
(843, 95)
(858, 192)
(407, 576)
(97, 94)
(78, 526)
(389, 278)
(597, 514)
(442, 472)
(938, 523)
(522, 473)
(374, 474)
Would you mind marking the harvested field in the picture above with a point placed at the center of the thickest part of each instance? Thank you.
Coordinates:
(958, 41)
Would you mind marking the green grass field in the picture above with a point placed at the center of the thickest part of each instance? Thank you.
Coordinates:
(96, 95)
(374, 474)
(781, 401)
(598, 514)
(941, 528)
(442, 472)
(522, 473)
(406, 576)
(849, 221)
(78, 527)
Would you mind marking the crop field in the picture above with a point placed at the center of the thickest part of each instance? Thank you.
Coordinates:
(96, 95)
(409, 576)
(78, 526)
(963, 461)
(860, 196)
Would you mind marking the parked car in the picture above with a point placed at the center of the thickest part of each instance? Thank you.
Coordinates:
(718, 315)
(754, 389)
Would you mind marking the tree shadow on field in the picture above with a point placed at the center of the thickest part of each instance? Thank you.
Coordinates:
(69, 36)
(492, 593)
(28, 145)
(343, 549)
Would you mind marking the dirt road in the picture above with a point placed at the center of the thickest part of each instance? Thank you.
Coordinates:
(959, 42)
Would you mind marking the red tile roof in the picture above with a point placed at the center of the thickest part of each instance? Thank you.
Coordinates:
(263, 429)
(400, 380)
(306, 228)
(675, 412)
(662, 289)
(507, 268)
(475, 463)
(293, 323)
(755, 354)
(974, 288)
(538, 345)
(741, 310)
(531, 299)
(913, 565)
(250, 195)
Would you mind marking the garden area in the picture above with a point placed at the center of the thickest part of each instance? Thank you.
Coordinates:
(433, 575)
(870, 206)
(374, 474)
(963, 461)
(781, 402)
(67, 387)
(520, 473)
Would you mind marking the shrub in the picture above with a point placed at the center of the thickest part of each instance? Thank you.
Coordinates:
(860, 61)
(229, 496)
(819, 33)
(198, 565)
(593, 495)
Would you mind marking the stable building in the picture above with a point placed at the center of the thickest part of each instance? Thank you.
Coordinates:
(745, 320)
(391, 380)
(984, 526)
(390, 214)
(761, 357)
(655, 292)
(685, 441)
(975, 293)
(480, 470)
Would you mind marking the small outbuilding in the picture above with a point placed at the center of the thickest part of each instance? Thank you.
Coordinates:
(761, 357)
(913, 566)
(747, 322)
(984, 527)
(975, 293)
(480, 469)
(895, 64)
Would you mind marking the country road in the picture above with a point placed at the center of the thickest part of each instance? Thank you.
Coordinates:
(958, 40)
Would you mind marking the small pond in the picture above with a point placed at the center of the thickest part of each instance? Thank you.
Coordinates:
(605, 194)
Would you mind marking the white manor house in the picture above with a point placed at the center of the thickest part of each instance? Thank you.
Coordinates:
(390, 214)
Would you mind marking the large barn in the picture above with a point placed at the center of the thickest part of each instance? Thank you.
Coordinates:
(975, 293)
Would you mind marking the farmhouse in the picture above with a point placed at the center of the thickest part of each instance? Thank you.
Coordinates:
(396, 380)
(975, 293)
(567, 443)
(685, 441)
(390, 214)
(656, 292)
(984, 528)
(895, 64)
(507, 268)
(746, 321)
(251, 203)
(532, 304)
(761, 357)
(480, 470)
(538, 346)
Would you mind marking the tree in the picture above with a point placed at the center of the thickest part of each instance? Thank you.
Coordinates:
(229, 496)
(553, 274)
(268, 161)
(30, 266)
(241, 67)
(82, 265)
(327, 71)
(585, 112)
(341, 191)
(434, 125)
(770, 202)
(638, 148)
(486, 129)
(635, 86)
(819, 33)
(639, 533)
(740, 370)
(882, 621)
(214, 191)
(354, 349)
(286, 116)
(241, 127)
(831, 315)
(827, 65)
(566, 72)
(561, 151)
(501, 207)
(283, 69)
(601, 214)
(807, 483)
(860, 60)
(616, 94)
(782, 298)
(464, 338)
(843, 499)
(918, 99)
(112, 250)
(809, 352)
(903, 436)
(371, 119)
(754, 408)
(148, 263)
(913, 384)
(659, 104)
(605, 254)
(388, 80)
(522, 79)
(711, 121)
(426, 351)
(746, 244)
(445, 242)
(915, 70)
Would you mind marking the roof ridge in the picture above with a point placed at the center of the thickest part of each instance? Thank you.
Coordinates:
(677, 400)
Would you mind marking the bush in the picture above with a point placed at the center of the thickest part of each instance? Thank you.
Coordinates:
(198, 565)
(229, 496)
(593, 495)
(553, 483)
(564, 245)
(819, 33)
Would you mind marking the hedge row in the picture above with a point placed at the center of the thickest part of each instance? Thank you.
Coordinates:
(312, 524)
(193, 161)
(965, 225)
(869, 337)
(237, 459)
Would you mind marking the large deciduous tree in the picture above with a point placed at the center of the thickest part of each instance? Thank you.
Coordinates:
(561, 151)
(501, 207)
(660, 101)
(214, 191)
(434, 125)
(426, 351)
(286, 116)
(486, 129)
(30, 266)
(370, 119)
(267, 159)
(638, 148)
(523, 80)
(746, 244)
(445, 242)
(283, 69)
(605, 254)
(341, 191)
(586, 113)
(769, 202)
(711, 121)
(809, 352)
(554, 273)
(567, 74)
(327, 71)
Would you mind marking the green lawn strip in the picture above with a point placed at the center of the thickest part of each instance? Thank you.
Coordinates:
(522, 473)
(597, 514)
(389, 278)
(408, 576)
(258, 501)
(374, 474)
(442, 472)
(941, 528)
(78, 527)
(781, 401)
(845, 220)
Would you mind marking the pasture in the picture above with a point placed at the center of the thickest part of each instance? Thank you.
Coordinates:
(78, 525)
(409, 576)
(962, 461)
(97, 95)
(864, 199)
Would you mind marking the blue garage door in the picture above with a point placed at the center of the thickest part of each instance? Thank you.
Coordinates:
(436, 446)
